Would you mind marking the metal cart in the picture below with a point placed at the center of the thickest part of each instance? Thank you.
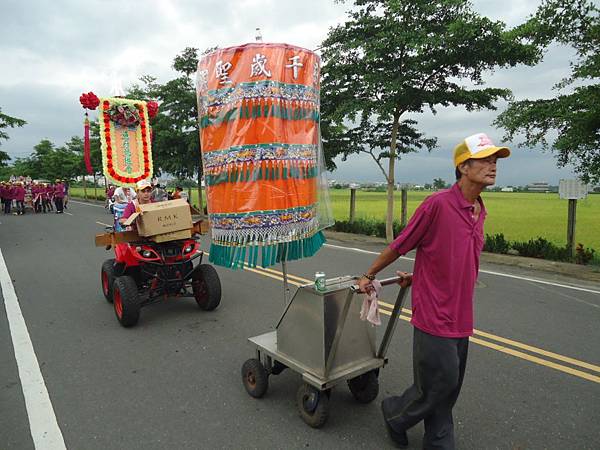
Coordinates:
(320, 336)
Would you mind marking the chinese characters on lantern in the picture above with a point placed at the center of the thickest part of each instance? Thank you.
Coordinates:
(259, 67)
(294, 65)
(259, 63)
(222, 72)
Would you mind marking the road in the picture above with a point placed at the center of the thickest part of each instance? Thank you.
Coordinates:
(173, 381)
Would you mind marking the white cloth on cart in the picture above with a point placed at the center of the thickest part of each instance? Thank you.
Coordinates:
(370, 306)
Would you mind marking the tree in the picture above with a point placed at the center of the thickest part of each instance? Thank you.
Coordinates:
(50, 162)
(573, 115)
(438, 184)
(7, 121)
(176, 146)
(395, 58)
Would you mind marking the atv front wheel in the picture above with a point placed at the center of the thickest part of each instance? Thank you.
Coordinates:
(107, 278)
(206, 286)
(126, 301)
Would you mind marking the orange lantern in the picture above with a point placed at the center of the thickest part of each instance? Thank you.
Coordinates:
(259, 116)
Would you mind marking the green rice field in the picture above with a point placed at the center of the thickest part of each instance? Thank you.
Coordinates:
(519, 216)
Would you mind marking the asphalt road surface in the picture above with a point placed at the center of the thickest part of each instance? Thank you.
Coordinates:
(173, 381)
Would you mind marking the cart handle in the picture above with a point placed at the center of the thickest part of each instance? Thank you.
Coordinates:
(384, 282)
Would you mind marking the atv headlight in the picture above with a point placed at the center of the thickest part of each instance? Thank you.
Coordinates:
(187, 249)
(146, 253)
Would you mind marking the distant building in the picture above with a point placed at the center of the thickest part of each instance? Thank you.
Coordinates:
(538, 187)
(507, 189)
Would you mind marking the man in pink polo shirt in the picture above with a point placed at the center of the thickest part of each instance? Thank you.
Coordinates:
(447, 231)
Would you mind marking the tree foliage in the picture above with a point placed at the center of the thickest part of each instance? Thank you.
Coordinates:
(5, 122)
(49, 162)
(439, 183)
(393, 58)
(573, 116)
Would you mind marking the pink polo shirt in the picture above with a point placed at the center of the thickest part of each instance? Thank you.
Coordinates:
(448, 243)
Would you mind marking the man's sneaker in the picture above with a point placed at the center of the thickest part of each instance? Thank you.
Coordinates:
(399, 438)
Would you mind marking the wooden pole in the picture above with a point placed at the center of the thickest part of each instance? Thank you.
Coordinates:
(84, 189)
(95, 188)
(571, 226)
(352, 204)
(404, 207)
(200, 206)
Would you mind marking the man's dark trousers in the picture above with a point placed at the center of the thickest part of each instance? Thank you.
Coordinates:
(438, 369)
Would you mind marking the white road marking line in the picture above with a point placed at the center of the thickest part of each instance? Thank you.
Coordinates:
(489, 272)
(534, 280)
(88, 204)
(104, 224)
(44, 428)
(68, 213)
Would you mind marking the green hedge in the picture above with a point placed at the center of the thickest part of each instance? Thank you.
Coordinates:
(540, 248)
(370, 227)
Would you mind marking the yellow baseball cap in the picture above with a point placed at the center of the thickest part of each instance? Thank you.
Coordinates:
(142, 184)
(476, 147)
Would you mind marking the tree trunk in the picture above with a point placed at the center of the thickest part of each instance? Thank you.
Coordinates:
(95, 188)
(84, 188)
(389, 220)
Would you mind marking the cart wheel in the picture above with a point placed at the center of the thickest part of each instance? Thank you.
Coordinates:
(365, 387)
(126, 301)
(206, 286)
(255, 378)
(313, 405)
(107, 278)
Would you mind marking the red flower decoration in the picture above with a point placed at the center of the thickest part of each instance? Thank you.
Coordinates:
(152, 109)
(89, 100)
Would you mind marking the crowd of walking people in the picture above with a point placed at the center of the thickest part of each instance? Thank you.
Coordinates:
(19, 193)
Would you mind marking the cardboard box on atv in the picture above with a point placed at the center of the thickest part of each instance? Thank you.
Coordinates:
(161, 217)
(114, 238)
(159, 222)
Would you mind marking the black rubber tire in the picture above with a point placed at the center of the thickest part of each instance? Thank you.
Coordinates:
(107, 279)
(313, 405)
(125, 294)
(365, 387)
(255, 378)
(206, 287)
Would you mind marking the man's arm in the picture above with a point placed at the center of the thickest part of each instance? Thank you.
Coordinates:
(408, 239)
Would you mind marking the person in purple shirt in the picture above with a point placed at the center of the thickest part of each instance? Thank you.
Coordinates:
(59, 195)
(9, 198)
(144, 196)
(19, 197)
(447, 232)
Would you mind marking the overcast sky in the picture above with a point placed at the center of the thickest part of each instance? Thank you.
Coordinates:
(52, 51)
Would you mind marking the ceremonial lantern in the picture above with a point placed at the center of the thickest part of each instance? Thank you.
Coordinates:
(125, 137)
(266, 193)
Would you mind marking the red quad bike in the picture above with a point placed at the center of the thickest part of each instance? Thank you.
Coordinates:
(146, 272)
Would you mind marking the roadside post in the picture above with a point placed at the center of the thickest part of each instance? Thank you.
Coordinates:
(572, 190)
(352, 204)
(403, 204)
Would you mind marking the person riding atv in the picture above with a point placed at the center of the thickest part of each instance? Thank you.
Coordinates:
(144, 272)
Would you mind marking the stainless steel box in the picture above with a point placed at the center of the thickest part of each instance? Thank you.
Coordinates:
(323, 332)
